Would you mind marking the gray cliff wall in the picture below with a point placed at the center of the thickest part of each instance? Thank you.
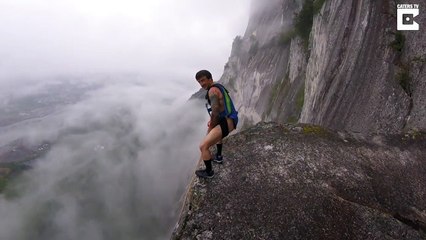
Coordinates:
(354, 72)
(256, 73)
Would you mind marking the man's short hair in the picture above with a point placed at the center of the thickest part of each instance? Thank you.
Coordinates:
(203, 73)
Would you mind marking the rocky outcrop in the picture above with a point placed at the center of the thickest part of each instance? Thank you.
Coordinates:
(338, 64)
(305, 182)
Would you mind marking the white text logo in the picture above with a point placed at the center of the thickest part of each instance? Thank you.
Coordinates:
(405, 15)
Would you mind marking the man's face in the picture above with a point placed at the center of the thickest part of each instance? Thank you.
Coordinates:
(204, 82)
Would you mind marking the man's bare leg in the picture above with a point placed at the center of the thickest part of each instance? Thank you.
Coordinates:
(214, 136)
(218, 158)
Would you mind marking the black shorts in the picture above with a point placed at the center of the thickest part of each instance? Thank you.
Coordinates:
(224, 126)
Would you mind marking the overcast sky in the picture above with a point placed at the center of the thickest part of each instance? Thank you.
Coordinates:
(167, 38)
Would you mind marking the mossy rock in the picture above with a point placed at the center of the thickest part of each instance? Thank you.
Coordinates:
(312, 129)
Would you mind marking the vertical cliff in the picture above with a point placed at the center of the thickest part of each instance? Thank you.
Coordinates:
(339, 64)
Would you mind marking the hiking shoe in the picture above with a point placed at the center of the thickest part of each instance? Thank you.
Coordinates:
(204, 174)
(218, 159)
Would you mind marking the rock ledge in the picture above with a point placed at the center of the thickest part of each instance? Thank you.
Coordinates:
(305, 182)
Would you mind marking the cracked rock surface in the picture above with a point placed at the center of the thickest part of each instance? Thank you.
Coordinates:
(304, 182)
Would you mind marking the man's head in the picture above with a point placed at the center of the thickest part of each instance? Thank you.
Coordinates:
(204, 78)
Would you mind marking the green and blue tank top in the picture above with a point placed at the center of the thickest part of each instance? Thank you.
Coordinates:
(229, 111)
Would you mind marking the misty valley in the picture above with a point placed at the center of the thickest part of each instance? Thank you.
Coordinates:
(17, 155)
(82, 160)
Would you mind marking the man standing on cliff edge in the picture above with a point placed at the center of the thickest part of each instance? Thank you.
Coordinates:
(223, 119)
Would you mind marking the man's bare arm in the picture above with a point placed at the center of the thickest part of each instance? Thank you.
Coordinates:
(214, 102)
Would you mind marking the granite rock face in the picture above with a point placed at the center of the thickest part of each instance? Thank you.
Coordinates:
(354, 71)
(361, 75)
(305, 182)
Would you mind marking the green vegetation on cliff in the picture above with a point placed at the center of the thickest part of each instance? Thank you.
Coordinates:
(302, 23)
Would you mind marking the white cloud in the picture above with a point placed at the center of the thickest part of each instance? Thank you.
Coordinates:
(118, 163)
(42, 38)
